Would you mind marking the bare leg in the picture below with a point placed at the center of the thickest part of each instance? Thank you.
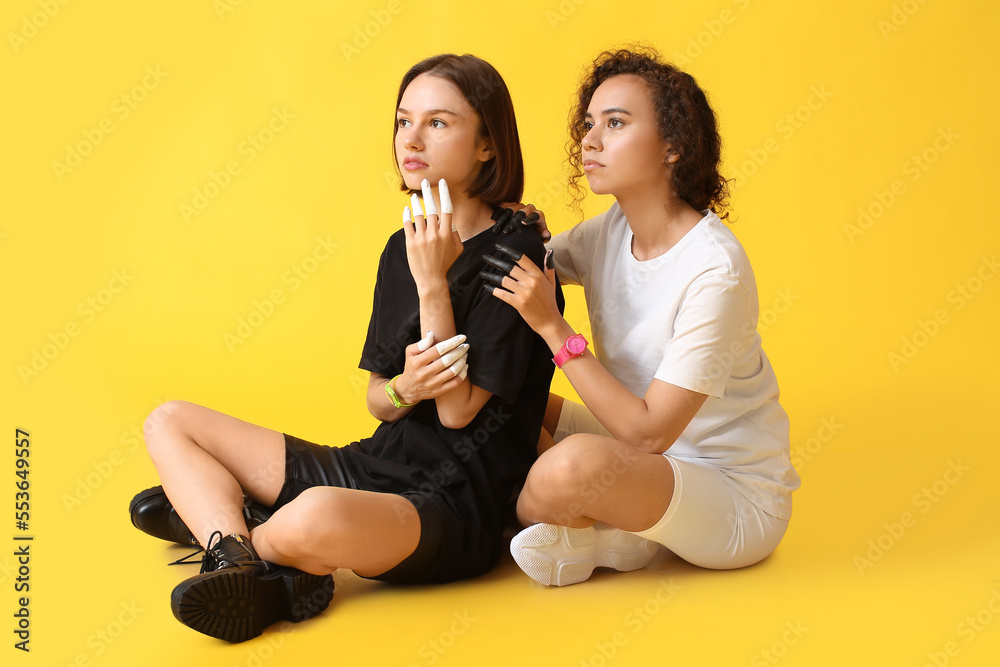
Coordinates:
(587, 478)
(326, 528)
(205, 461)
(552, 411)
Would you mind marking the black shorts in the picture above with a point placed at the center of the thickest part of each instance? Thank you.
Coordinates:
(438, 557)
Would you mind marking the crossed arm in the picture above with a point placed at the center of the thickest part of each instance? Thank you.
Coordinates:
(431, 247)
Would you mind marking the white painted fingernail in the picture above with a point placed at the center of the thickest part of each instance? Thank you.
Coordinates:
(446, 345)
(406, 214)
(425, 187)
(453, 356)
(445, 197)
(415, 203)
(424, 344)
(458, 366)
(465, 371)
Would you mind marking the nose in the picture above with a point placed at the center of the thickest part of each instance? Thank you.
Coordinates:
(592, 140)
(410, 138)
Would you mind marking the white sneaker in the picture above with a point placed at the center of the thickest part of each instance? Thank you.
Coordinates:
(558, 556)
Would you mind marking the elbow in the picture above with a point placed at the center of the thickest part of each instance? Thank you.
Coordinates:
(454, 419)
(651, 443)
(374, 411)
(656, 445)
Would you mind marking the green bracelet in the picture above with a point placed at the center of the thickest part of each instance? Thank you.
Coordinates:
(391, 393)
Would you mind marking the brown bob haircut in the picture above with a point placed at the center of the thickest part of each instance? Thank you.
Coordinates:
(501, 178)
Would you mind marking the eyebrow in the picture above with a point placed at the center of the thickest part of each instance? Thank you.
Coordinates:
(608, 112)
(431, 112)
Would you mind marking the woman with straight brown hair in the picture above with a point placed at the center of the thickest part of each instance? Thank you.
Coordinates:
(427, 496)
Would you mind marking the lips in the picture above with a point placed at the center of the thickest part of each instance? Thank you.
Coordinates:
(411, 163)
(590, 165)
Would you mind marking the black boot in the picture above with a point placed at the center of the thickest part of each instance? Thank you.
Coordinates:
(152, 513)
(237, 594)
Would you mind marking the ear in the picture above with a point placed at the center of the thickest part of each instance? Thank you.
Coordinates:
(484, 150)
(670, 156)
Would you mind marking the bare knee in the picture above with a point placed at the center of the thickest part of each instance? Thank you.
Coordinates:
(559, 479)
(291, 533)
(167, 418)
(567, 465)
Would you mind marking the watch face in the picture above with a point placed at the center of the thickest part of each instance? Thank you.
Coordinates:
(576, 344)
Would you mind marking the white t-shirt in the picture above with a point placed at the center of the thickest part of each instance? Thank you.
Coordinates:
(689, 318)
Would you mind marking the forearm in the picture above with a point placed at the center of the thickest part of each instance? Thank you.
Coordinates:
(623, 413)
(436, 315)
(379, 404)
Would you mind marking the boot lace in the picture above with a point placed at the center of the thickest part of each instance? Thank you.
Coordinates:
(209, 555)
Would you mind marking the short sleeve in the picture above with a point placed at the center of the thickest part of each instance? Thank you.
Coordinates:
(573, 251)
(500, 342)
(395, 319)
(710, 333)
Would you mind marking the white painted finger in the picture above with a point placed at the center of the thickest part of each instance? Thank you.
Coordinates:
(459, 366)
(406, 215)
(445, 196)
(465, 371)
(424, 343)
(415, 203)
(449, 344)
(454, 355)
(425, 187)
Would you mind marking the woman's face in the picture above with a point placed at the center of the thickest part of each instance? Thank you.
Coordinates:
(622, 150)
(437, 135)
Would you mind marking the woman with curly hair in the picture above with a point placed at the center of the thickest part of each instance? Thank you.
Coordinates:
(681, 440)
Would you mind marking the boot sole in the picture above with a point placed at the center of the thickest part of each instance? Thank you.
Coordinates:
(237, 604)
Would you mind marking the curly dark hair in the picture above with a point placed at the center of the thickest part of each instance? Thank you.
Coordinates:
(685, 119)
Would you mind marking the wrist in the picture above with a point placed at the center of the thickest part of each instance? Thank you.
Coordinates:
(402, 387)
(396, 395)
(431, 286)
(575, 346)
(555, 335)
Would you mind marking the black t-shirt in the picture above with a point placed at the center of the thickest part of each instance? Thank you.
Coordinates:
(473, 470)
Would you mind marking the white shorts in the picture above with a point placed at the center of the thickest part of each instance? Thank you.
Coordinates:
(708, 522)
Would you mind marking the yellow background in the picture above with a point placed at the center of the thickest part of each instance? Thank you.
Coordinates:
(823, 107)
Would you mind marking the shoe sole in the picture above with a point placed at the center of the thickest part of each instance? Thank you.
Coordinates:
(559, 556)
(236, 604)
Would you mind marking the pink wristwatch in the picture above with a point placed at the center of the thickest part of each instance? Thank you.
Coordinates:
(574, 346)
